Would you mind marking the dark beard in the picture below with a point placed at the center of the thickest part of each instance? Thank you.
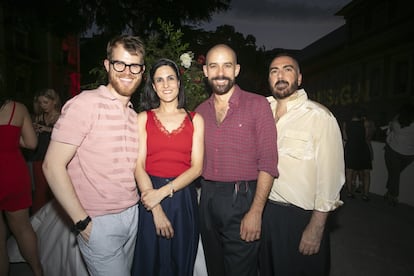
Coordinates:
(286, 92)
(221, 89)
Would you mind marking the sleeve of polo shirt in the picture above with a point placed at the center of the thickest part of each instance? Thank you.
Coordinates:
(74, 122)
(267, 138)
(330, 165)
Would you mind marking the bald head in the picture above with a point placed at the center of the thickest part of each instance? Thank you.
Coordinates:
(221, 49)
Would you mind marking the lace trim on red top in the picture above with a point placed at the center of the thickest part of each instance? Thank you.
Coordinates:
(163, 129)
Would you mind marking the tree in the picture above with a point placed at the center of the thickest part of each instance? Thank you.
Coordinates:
(111, 17)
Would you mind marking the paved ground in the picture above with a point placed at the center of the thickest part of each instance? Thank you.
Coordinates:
(368, 239)
(373, 238)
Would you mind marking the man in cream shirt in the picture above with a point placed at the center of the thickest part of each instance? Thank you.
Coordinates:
(294, 239)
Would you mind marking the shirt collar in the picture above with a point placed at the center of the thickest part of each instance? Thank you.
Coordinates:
(296, 99)
(104, 91)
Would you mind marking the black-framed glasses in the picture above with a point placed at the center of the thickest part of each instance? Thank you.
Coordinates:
(134, 68)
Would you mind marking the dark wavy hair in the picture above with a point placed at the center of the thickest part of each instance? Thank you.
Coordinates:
(149, 98)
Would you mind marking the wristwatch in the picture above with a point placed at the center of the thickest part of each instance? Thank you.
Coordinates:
(81, 225)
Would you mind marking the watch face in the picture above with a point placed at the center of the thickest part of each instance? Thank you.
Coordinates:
(81, 225)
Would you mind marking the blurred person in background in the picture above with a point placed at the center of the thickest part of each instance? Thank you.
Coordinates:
(399, 150)
(358, 153)
(16, 130)
(47, 107)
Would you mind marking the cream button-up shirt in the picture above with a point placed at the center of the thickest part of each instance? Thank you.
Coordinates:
(311, 158)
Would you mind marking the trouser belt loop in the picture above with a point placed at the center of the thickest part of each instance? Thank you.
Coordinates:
(247, 190)
(235, 191)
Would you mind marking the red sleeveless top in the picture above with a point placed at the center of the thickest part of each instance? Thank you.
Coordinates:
(15, 183)
(168, 153)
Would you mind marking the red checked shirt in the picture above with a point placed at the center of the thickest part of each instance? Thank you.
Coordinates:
(244, 143)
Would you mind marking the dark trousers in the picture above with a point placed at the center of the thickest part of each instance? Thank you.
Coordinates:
(395, 163)
(222, 207)
(282, 230)
(158, 256)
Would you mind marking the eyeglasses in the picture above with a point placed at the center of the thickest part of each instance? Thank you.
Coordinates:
(134, 68)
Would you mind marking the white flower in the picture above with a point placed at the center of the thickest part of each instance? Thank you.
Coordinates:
(186, 59)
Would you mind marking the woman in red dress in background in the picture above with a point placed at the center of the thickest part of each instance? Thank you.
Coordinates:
(15, 187)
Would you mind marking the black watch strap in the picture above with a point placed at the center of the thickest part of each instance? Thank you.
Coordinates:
(81, 225)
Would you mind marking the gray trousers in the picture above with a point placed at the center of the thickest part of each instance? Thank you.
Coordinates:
(111, 244)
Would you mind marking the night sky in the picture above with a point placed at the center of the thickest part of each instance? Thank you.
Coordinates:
(291, 24)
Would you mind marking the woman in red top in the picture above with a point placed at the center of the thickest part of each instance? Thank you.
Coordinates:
(170, 159)
(16, 131)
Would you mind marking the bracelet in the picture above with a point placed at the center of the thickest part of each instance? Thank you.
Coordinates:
(171, 189)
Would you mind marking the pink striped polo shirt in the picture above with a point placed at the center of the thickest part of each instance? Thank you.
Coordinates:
(106, 133)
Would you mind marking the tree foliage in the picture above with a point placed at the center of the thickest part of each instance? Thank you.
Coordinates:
(113, 16)
(253, 74)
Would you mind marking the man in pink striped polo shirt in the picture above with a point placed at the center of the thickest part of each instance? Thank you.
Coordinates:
(91, 160)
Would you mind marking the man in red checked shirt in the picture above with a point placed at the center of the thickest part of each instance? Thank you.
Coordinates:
(240, 163)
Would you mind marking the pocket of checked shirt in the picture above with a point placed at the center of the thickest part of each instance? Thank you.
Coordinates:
(296, 144)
